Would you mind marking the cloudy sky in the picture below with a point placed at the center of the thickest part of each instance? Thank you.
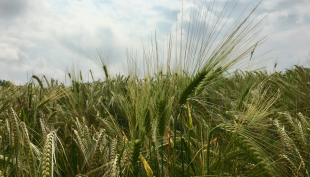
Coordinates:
(45, 37)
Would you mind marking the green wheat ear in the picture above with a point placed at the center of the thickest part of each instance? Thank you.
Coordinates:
(15, 134)
(135, 152)
(28, 147)
(96, 154)
(43, 129)
(38, 80)
(189, 123)
(14, 124)
(147, 123)
(114, 157)
(162, 114)
(105, 71)
(48, 84)
(47, 156)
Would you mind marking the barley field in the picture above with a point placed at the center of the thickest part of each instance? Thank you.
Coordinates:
(190, 112)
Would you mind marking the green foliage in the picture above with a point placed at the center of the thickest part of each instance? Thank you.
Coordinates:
(5, 83)
(91, 128)
(235, 123)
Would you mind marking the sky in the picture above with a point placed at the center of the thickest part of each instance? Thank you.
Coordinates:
(46, 37)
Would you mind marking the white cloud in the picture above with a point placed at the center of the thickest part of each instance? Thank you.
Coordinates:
(270, 4)
(44, 37)
(8, 53)
(288, 31)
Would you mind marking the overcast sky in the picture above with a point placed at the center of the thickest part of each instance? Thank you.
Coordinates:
(44, 37)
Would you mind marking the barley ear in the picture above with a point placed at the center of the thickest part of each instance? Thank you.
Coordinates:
(43, 102)
(192, 86)
(290, 165)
